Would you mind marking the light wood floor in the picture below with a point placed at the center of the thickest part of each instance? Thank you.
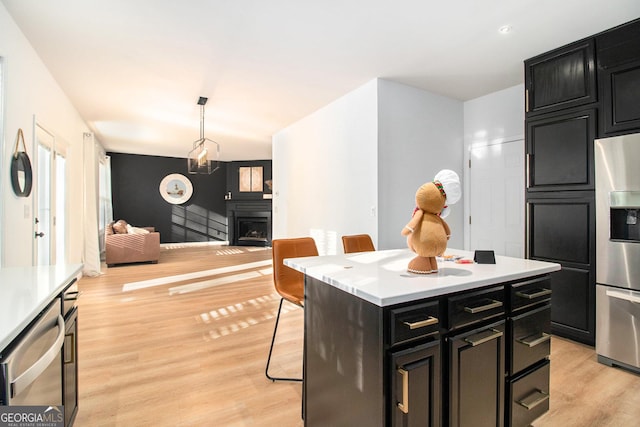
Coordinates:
(156, 357)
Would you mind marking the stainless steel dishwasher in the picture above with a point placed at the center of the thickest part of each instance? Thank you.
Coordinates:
(31, 366)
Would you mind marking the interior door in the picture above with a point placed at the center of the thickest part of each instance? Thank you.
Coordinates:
(497, 198)
(49, 199)
(43, 202)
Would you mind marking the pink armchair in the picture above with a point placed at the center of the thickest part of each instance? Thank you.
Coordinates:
(124, 248)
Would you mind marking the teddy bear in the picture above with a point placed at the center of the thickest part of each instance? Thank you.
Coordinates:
(427, 232)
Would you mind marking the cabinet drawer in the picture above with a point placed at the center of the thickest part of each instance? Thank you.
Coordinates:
(530, 293)
(530, 338)
(414, 321)
(529, 397)
(475, 307)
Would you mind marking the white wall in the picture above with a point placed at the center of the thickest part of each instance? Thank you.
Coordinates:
(325, 173)
(420, 133)
(31, 90)
(354, 166)
(492, 119)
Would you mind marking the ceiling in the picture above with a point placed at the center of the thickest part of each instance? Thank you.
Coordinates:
(135, 69)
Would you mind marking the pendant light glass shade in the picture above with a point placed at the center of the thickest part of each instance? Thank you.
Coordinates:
(205, 156)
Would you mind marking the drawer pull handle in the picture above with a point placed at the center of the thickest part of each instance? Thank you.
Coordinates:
(540, 293)
(404, 405)
(533, 400)
(534, 340)
(492, 304)
(483, 337)
(422, 323)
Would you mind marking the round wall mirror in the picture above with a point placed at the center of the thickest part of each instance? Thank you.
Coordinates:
(21, 176)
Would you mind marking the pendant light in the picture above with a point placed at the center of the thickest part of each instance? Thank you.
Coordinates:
(205, 156)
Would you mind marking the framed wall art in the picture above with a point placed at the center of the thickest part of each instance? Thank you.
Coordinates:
(250, 178)
(176, 189)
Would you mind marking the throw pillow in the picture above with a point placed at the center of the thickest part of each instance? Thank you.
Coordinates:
(136, 230)
(120, 227)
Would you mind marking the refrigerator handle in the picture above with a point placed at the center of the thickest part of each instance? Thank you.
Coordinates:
(623, 296)
(23, 380)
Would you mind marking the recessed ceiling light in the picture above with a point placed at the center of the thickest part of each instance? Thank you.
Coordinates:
(505, 29)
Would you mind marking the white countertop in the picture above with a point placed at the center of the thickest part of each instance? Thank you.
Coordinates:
(381, 277)
(26, 291)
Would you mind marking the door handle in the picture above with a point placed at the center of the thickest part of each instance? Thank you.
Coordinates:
(72, 347)
(32, 372)
(422, 323)
(404, 405)
(493, 304)
(40, 234)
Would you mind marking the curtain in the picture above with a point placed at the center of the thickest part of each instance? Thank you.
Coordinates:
(93, 152)
(105, 205)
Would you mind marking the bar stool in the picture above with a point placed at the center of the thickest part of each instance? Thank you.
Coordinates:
(288, 282)
(357, 243)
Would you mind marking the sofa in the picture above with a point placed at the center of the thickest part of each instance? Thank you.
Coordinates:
(126, 244)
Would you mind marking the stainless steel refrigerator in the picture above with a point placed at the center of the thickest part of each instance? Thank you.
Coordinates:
(617, 172)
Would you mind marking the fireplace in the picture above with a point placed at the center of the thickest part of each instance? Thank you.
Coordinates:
(249, 223)
(253, 229)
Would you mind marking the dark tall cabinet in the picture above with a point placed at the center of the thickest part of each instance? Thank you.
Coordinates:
(575, 94)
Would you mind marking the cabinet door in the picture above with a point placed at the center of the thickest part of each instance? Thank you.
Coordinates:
(561, 228)
(70, 372)
(415, 386)
(621, 98)
(573, 304)
(477, 376)
(561, 79)
(560, 151)
(618, 53)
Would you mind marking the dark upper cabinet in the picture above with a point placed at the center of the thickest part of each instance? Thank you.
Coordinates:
(560, 79)
(618, 53)
(560, 151)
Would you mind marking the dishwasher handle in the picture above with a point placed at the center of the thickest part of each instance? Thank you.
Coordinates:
(25, 379)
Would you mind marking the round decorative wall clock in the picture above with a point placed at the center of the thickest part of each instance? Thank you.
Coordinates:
(176, 189)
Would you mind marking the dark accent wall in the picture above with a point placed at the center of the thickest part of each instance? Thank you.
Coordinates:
(135, 189)
(233, 179)
(135, 183)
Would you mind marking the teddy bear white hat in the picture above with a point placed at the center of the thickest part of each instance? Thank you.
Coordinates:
(451, 186)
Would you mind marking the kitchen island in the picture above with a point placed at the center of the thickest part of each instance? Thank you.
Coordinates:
(468, 345)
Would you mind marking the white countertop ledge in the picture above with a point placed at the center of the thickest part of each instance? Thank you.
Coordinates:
(26, 291)
(381, 277)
